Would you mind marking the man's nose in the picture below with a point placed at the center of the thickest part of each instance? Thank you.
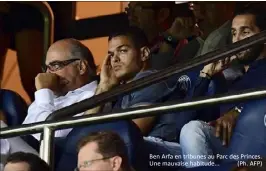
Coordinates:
(236, 38)
(48, 70)
(115, 58)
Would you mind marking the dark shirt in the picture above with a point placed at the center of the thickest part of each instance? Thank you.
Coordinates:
(156, 93)
(255, 77)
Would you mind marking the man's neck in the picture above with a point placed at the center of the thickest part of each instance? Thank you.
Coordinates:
(132, 78)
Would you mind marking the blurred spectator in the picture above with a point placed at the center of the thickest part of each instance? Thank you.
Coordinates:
(155, 17)
(21, 28)
(12, 145)
(21, 161)
(246, 23)
(211, 15)
(169, 28)
(103, 151)
(70, 77)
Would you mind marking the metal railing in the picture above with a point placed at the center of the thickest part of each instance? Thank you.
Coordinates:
(159, 76)
(139, 112)
(50, 126)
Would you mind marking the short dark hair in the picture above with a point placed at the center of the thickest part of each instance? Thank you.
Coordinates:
(79, 50)
(35, 163)
(109, 144)
(256, 10)
(135, 34)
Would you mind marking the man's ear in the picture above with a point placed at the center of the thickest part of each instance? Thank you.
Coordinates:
(83, 67)
(116, 163)
(145, 53)
(163, 14)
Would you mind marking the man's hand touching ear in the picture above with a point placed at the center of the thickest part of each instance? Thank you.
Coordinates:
(108, 79)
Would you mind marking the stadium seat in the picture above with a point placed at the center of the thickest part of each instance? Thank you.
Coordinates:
(13, 106)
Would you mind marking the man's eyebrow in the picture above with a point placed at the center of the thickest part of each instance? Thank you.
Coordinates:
(55, 61)
(119, 47)
(242, 28)
(245, 27)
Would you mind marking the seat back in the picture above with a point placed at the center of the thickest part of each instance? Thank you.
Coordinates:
(13, 106)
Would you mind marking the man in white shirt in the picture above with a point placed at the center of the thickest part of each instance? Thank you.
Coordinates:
(12, 145)
(70, 77)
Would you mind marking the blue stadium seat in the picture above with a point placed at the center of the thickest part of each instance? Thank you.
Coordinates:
(13, 106)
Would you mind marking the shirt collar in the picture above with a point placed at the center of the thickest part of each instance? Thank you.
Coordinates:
(88, 87)
(144, 74)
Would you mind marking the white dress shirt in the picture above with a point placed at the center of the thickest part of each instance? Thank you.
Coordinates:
(46, 103)
(12, 145)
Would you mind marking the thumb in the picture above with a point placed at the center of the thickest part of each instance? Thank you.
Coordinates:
(212, 123)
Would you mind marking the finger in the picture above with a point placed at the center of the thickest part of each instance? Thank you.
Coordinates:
(212, 123)
(106, 63)
(222, 62)
(218, 128)
(224, 125)
(227, 60)
(106, 60)
(219, 65)
(230, 129)
(232, 58)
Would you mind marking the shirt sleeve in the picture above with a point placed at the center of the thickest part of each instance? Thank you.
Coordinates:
(12, 145)
(42, 107)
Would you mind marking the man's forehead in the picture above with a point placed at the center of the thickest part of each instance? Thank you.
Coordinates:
(56, 55)
(244, 20)
(118, 42)
(89, 152)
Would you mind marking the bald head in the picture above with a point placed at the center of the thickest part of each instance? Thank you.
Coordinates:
(72, 62)
(66, 49)
(70, 49)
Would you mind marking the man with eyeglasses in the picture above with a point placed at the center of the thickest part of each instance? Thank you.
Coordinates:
(103, 151)
(69, 78)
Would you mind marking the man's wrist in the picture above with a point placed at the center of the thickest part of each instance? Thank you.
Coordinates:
(238, 109)
(205, 75)
(102, 87)
(170, 39)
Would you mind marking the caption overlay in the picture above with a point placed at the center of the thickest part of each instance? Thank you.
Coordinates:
(168, 160)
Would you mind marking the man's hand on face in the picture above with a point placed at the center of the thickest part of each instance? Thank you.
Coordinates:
(224, 126)
(108, 78)
(47, 80)
(216, 67)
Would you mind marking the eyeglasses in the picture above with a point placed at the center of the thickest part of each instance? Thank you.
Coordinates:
(57, 65)
(89, 162)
